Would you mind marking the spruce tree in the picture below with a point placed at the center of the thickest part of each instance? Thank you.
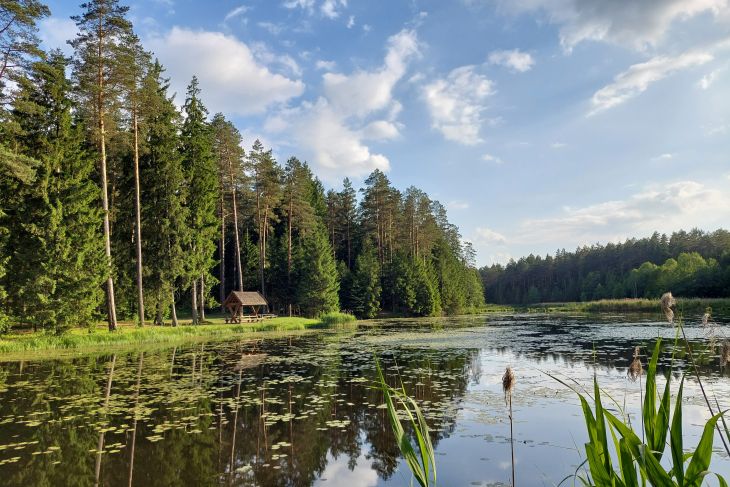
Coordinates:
(98, 52)
(201, 173)
(318, 283)
(365, 295)
(164, 215)
(57, 264)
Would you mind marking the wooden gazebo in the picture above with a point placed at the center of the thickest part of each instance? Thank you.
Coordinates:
(238, 300)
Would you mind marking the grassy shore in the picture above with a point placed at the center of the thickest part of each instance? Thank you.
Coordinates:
(688, 305)
(130, 335)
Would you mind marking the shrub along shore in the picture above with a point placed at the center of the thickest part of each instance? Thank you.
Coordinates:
(130, 334)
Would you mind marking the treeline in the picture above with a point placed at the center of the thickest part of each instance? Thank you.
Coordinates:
(691, 264)
(112, 201)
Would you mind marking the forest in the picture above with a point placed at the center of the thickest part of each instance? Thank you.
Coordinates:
(690, 264)
(117, 203)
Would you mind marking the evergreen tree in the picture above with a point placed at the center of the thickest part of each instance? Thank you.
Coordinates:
(318, 284)
(102, 28)
(366, 289)
(164, 215)
(18, 39)
(56, 263)
(204, 193)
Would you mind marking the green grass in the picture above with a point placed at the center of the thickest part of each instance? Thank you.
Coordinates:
(332, 319)
(128, 334)
(718, 305)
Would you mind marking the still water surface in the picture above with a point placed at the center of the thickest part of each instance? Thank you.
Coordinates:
(301, 410)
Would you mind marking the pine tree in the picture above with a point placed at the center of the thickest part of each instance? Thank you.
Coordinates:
(365, 295)
(164, 215)
(266, 175)
(204, 193)
(57, 263)
(229, 155)
(318, 284)
(102, 27)
(18, 39)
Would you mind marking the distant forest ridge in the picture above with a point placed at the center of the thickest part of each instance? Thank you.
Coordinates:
(690, 264)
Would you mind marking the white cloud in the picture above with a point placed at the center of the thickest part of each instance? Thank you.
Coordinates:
(486, 235)
(514, 59)
(240, 10)
(663, 157)
(364, 92)
(706, 81)
(351, 22)
(265, 56)
(664, 208)
(457, 205)
(456, 104)
(638, 77)
(491, 158)
(331, 131)
(232, 79)
(329, 8)
(558, 145)
(326, 65)
(380, 130)
(303, 4)
(637, 24)
(55, 31)
(272, 28)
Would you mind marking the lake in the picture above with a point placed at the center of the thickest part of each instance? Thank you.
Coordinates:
(301, 410)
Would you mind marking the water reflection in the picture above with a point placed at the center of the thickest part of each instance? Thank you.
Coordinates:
(301, 411)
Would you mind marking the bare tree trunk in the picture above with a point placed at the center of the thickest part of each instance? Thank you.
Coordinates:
(194, 304)
(235, 231)
(174, 311)
(202, 298)
(111, 304)
(288, 259)
(138, 221)
(222, 254)
(263, 249)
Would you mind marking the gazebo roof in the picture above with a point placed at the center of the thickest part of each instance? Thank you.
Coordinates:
(247, 298)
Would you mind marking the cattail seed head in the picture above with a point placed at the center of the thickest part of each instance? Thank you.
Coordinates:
(508, 383)
(667, 302)
(636, 369)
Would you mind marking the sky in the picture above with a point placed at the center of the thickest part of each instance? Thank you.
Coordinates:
(539, 124)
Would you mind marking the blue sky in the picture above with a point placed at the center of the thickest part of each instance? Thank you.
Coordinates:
(540, 124)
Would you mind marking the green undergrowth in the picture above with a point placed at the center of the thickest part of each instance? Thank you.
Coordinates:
(718, 305)
(128, 334)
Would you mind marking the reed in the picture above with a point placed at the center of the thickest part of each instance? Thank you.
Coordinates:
(420, 457)
(508, 384)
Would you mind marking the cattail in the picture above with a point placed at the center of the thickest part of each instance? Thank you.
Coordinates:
(705, 319)
(508, 383)
(725, 353)
(636, 369)
(667, 302)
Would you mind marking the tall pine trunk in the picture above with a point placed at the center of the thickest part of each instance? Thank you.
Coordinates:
(202, 299)
(235, 232)
(194, 304)
(289, 259)
(111, 304)
(174, 310)
(222, 253)
(262, 261)
(138, 220)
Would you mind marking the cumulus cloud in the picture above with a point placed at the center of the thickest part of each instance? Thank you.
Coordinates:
(231, 77)
(637, 24)
(638, 77)
(707, 80)
(325, 65)
(456, 104)
(515, 59)
(327, 8)
(457, 205)
(364, 92)
(486, 235)
(331, 131)
(492, 158)
(664, 208)
(55, 31)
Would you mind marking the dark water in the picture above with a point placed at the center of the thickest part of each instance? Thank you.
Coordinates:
(301, 410)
